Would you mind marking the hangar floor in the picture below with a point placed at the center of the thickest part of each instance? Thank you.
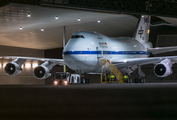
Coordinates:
(89, 101)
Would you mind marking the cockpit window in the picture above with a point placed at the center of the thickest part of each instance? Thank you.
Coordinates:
(77, 36)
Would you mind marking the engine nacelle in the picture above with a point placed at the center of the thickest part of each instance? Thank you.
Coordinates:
(163, 69)
(41, 72)
(12, 68)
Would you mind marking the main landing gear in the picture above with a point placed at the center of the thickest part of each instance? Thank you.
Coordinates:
(141, 76)
(137, 80)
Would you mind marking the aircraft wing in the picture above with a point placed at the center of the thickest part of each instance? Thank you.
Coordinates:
(159, 50)
(59, 61)
(142, 61)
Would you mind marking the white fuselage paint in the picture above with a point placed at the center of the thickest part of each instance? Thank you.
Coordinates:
(81, 53)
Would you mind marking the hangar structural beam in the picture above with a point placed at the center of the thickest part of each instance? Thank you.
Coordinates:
(31, 2)
(167, 8)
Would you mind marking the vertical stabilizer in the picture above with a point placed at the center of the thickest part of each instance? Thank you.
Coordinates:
(143, 29)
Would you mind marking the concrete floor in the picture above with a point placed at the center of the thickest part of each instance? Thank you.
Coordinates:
(89, 101)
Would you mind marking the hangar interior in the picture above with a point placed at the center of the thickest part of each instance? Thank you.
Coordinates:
(35, 29)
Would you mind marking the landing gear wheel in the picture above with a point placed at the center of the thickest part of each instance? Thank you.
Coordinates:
(142, 80)
(130, 81)
(136, 80)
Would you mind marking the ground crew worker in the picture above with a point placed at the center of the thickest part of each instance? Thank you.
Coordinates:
(125, 78)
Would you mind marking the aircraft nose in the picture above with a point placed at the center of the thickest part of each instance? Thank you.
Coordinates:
(63, 54)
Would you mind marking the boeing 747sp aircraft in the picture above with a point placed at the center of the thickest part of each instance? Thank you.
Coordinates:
(85, 50)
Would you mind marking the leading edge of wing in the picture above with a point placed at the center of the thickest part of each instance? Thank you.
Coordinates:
(35, 58)
(143, 61)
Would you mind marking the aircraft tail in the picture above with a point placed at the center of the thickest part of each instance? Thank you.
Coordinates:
(143, 29)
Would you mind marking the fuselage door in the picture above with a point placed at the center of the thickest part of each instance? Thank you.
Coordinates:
(99, 52)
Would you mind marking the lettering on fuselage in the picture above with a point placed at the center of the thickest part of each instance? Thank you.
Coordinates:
(140, 32)
(103, 44)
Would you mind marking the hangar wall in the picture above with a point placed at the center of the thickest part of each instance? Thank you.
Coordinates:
(26, 77)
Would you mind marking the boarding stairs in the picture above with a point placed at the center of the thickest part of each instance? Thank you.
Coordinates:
(114, 70)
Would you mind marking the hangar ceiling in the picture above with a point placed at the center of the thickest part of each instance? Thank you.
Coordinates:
(14, 16)
(166, 8)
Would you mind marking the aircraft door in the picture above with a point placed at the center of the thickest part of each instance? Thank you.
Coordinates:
(99, 52)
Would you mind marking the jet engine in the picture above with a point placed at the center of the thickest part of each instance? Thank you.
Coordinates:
(163, 69)
(13, 68)
(41, 72)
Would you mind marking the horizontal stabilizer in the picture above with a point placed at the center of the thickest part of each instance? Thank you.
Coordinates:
(159, 50)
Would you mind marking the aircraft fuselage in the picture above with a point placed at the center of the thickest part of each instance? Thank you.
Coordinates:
(85, 49)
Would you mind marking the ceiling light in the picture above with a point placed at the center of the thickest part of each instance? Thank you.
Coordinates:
(21, 28)
(98, 21)
(42, 29)
(56, 17)
(142, 16)
(28, 15)
(78, 19)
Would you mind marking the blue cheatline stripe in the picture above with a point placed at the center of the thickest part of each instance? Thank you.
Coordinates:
(108, 52)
